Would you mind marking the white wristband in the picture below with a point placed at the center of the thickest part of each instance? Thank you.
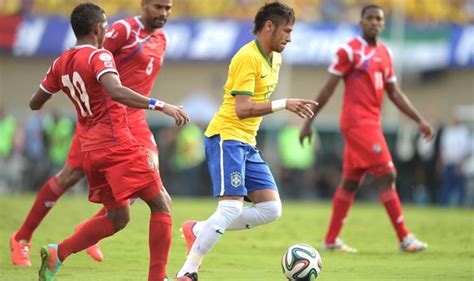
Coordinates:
(278, 105)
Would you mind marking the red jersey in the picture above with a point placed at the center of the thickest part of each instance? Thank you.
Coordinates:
(101, 121)
(138, 55)
(365, 70)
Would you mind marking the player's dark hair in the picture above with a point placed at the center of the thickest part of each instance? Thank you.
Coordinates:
(276, 12)
(83, 18)
(368, 7)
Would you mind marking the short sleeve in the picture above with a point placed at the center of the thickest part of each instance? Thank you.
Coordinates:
(342, 62)
(390, 76)
(50, 84)
(117, 35)
(244, 68)
(102, 62)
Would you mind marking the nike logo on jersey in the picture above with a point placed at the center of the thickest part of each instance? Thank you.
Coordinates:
(219, 231)
(263, 76)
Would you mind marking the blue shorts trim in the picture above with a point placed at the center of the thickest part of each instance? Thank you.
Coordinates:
(236, 168)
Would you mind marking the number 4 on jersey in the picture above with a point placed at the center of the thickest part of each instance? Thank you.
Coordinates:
(78, 85)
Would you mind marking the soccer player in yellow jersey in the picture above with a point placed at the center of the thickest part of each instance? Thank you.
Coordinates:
(235, 164)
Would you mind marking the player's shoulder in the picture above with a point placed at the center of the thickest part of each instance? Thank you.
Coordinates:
(101, 54)
(385, 48)
(123, 26)
(249, 51)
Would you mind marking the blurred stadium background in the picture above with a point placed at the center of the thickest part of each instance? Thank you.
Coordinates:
(433, 44)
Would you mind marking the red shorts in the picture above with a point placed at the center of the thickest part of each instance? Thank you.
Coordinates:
(142, 133)
(74, 157)
(116, 173)
(365, 151)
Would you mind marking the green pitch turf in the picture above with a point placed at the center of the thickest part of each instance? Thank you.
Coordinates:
(255, 254)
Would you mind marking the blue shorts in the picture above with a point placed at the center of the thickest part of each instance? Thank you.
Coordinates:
(236, 168)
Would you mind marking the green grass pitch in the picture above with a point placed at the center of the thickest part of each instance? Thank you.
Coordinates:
(255, 254)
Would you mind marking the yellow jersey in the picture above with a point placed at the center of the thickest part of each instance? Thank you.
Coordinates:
(250, 73)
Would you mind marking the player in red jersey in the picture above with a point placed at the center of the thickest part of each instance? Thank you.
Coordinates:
(116, 164)
(138, 45)
(365, 65)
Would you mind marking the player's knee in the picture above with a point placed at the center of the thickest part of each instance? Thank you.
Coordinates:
(160, 203)
(388, 180)
(270, 210)
(230, 209)
(119, 217)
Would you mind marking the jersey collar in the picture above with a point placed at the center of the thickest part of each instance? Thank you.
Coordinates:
(365, 43)
(83, 46)
(262, 53)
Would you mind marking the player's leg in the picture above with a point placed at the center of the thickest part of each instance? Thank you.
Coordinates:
(44, 202)
(341, 203)
(93, 230)
(160, 228)
(262, 191)
(226, 160)
(391, 201)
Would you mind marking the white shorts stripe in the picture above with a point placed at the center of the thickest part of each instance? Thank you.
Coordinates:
(221, 156)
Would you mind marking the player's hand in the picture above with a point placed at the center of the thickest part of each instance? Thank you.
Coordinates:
(426, 130)
(306, 132)
(180, 116)
(303, 108)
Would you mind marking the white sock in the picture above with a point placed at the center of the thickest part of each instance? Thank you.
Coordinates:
(258, 214)
(213, 229)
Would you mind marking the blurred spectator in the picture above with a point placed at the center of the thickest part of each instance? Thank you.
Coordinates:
(59, 132)
(7, 137)
(405, 157)
(35, 172)
(297, 162)
(188, 159)
(429, 155)
(455, 150)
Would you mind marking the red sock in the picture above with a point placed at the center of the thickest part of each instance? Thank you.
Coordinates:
(341, 203)
(90, 233)
(393, 207)
(159, 241)
(45, 200)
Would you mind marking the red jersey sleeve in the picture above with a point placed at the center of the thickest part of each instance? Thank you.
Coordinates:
(390, 76)
(102, 62)
(342, 62)
(50, 84)
(117, 35)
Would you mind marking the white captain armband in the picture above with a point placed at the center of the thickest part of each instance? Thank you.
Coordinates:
(156, 104)
(278, 105)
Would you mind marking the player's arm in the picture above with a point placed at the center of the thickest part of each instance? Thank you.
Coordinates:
(39, 99)
(402, 102)
(245, 107)
(324, 95)
(126, 96)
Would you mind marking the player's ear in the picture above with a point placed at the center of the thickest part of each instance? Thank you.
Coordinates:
(268, 25)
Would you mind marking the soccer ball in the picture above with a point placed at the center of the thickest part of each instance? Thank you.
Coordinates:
(301, 262)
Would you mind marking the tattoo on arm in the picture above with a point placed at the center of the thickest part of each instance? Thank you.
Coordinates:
(252, 108)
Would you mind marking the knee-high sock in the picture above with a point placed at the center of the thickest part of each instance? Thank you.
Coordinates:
(341, 204)
(89, 234)
(45, 201)
(227, 211)
(392, 204)
(258, 214)
(159, 241)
